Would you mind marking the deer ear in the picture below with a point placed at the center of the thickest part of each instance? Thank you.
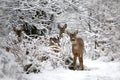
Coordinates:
(65, 26)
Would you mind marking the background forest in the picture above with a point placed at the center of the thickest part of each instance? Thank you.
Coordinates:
(97, 22)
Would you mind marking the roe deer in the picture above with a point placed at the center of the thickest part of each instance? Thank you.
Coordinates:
(62, 30)
(77, 49)
(57, 40)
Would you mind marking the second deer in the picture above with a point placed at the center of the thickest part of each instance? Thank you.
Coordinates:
(54, 40)
(61, 30)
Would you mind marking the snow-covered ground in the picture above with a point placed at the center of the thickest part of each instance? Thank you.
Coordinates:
(95, 70)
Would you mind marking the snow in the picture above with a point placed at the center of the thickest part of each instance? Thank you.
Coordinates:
(94, 70)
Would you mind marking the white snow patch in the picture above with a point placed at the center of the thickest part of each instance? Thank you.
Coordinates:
(95, 70)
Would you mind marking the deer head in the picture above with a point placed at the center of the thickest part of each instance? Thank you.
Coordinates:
(73, 36)
(62, 30)
(18, 32)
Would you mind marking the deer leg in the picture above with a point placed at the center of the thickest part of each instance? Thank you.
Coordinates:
(74, 62)
(81, 63)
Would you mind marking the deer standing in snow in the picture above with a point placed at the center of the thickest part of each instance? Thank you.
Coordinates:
(77, 49)
(56, 40)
